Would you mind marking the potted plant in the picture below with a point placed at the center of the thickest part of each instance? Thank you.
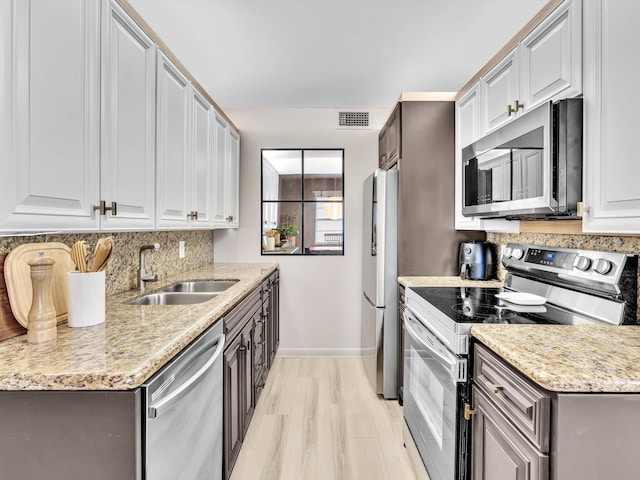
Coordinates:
(289, 229)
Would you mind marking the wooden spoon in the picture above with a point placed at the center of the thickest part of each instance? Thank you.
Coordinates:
(102, 254)
(78, 255)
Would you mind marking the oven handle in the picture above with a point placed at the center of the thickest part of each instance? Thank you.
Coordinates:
(457, 368)
(157, 409)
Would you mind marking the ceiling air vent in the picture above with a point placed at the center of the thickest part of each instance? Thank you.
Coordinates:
(354, 119)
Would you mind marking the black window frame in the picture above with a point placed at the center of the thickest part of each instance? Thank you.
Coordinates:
(302, 202)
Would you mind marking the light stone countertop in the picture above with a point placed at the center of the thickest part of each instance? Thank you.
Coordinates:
(570, 358)
(452, 281)
(132, 343)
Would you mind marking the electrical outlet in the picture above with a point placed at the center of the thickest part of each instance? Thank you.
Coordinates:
(181, 253)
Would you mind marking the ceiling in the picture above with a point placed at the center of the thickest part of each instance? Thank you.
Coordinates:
(332, 53)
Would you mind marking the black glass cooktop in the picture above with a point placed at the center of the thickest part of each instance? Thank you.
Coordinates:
(480, 305)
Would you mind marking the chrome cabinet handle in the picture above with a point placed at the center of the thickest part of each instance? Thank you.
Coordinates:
(103, 209)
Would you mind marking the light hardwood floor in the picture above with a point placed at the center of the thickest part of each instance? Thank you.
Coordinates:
(319, 419)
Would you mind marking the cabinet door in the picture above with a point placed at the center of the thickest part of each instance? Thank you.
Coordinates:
(246, 381)
(219, 167)
(232, 183)
(499, 451)
(612, 73)
(551, 57)
(50, 96)
(499, 91)
(128, 122)
(467, 132)
(233, 381)
(172, 155)
(274, 316)
(382, 147)
(202, 159)
(394, 135)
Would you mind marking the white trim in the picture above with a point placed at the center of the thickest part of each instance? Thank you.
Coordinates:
(319, 352)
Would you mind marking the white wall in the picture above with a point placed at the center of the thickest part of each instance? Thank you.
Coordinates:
(319, 295)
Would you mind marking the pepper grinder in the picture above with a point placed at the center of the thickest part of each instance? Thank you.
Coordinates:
(41, 325)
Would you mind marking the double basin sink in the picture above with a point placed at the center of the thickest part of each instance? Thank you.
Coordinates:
(185, 293)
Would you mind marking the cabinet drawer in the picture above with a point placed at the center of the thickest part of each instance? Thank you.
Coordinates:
(526, 405)
(235, 321)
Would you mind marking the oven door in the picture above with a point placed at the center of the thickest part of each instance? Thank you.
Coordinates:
(434, 392)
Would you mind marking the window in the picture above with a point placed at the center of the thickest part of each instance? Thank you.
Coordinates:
(302, 201)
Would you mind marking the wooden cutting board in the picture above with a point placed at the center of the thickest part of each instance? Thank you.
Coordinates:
(18, 278)
(9, 326)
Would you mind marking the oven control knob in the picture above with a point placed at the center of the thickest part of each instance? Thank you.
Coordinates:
(582, 263)
(506, 252)
(517, 253)
(602, 266)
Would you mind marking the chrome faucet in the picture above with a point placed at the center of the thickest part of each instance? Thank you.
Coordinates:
(143, 276)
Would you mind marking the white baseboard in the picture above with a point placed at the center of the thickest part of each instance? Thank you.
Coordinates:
(319, 352)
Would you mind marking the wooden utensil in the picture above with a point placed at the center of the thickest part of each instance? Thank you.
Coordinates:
(18, 278)
(102, 254)
(79, 256)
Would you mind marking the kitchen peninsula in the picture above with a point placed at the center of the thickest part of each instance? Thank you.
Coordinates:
(562, 401)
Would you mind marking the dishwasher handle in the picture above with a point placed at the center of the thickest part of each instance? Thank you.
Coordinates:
(157, 409)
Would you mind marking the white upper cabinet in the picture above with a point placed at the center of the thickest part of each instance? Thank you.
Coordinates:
(232, 200)
(172, 150)
(220, 127)
(101, 131)
(500, 88)
(546, 65)
(551, 57)
(226, 164)
(612, 74)
(128, 122)
(467, 131)
(50, 115)
(200, 215)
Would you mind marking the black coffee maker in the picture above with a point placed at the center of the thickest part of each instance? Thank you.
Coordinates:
(477, 260)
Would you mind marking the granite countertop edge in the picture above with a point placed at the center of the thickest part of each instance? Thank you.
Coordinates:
(446, 281)
(132, 344)
(569, 358)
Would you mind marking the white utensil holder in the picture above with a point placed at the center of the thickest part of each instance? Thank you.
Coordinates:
(85, 298)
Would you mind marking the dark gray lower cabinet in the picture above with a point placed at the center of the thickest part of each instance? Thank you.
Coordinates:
(60, 435)
(252, 330)
(499, 450)
(523, 432)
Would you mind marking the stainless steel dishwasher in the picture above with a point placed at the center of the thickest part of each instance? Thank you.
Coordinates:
(183, 414)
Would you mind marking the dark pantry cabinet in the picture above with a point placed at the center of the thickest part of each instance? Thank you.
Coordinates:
(419, 140)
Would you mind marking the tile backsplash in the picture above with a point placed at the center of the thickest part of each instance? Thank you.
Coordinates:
(122, 270)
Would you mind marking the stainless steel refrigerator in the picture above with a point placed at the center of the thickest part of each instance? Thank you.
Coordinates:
(379, 277)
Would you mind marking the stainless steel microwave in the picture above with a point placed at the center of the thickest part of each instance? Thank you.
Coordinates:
(528, 168)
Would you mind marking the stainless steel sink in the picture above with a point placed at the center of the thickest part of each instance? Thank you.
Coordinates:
(210, 286)
(173, 298)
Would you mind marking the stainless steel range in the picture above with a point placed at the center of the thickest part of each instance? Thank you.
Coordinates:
(543, 285)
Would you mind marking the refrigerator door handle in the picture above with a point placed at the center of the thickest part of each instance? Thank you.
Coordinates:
(368, 300)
